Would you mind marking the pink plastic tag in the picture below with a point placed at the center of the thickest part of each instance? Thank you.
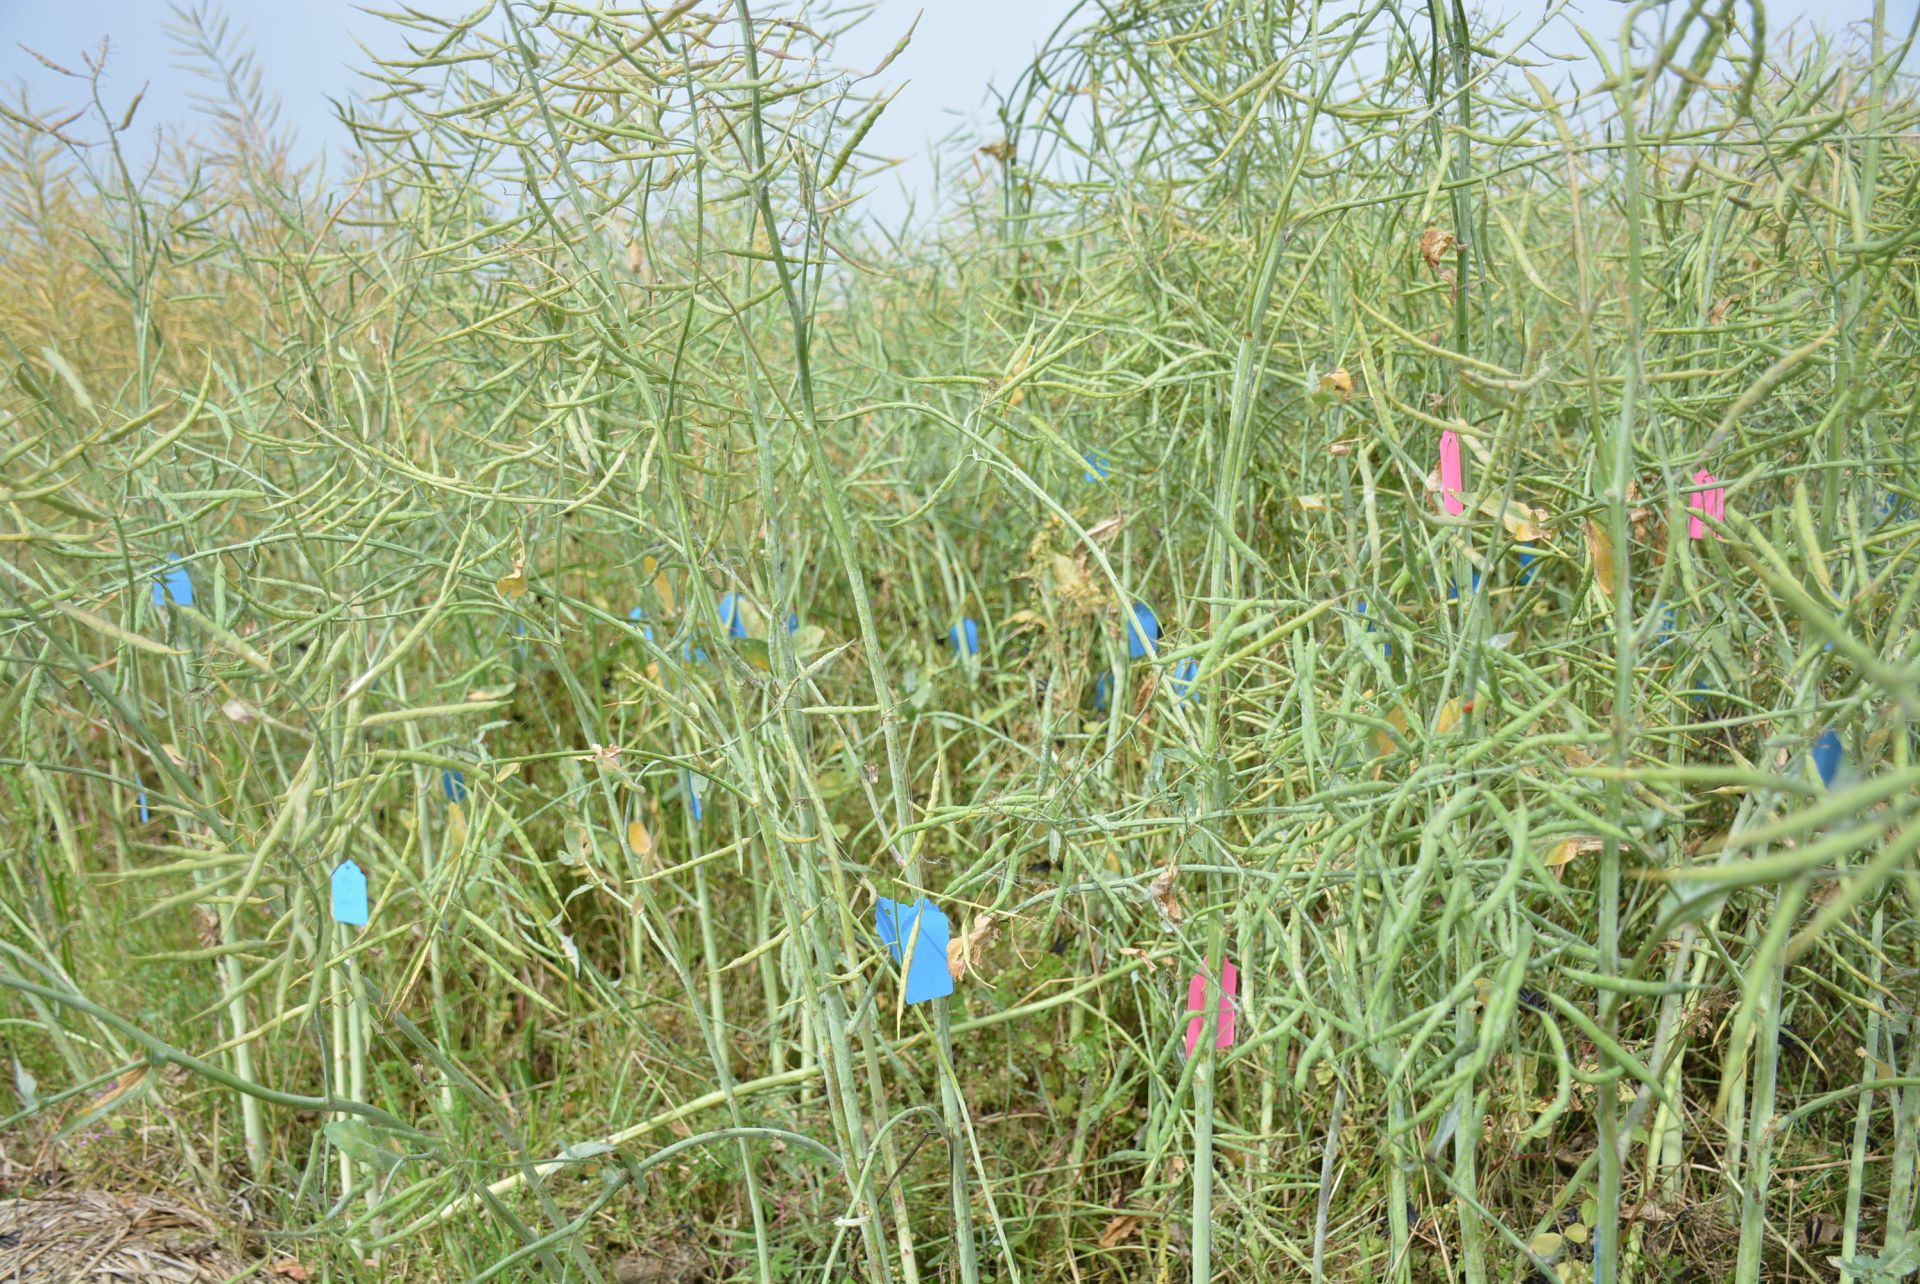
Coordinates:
(1712, 500)
(1197, 1001)
(1453, 479)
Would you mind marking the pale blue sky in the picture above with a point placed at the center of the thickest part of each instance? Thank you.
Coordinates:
(306, 50)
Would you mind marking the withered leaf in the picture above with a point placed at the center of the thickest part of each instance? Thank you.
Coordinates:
(1600, 552)
(1525, 524)
(1161, 891)
(1435, 244)
(964, 951)
(1384, 743)
(1567, 849)
(126, 1083)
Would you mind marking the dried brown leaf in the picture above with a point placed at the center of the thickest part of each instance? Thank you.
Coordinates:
(1436, 244)
(126, 1083)
(1161, 891)
(1144, 696)
(1525, 524)
(1384, 743)
(1568, 849)
(964, 951)
(1600, 552)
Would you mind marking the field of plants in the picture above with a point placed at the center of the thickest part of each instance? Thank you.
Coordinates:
(1315, 680)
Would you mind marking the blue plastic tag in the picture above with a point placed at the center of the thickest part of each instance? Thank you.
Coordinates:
(1386, 647)
(173, 586)
(1143, 632)
(926, 928)
(349, 894)
(1184, 674)
(1827, 756)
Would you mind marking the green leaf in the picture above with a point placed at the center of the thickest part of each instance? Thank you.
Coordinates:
(358, 1141)
(1894, 1262)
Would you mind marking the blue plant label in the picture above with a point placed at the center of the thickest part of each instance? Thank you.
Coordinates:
(173, 586)
(693, 798)
(964, 637)
(1098, 465)
(1529, 562)
(1102, 692)
(638, 615)
(926, 929)
(1827, 756)
(145, 815)
(730, 616)
(793, 621)
(1185, 674)
(1665, 636)
(454, 785)
(349, 894)
(1453, 590)
(1143, 632)
(1371, 628)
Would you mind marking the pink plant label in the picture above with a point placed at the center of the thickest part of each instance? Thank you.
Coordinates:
(1712, 501)
(1453, 478)
(1197, 1005)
